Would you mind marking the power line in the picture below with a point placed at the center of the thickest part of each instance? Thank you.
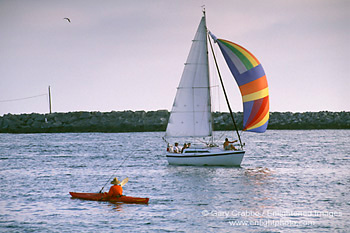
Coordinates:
(30, 97)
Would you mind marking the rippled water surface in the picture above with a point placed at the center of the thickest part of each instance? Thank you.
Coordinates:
(289, 181)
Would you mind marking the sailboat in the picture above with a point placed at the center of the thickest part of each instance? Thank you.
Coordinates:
(191, 117)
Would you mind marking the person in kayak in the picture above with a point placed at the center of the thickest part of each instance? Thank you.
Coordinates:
(116, 190)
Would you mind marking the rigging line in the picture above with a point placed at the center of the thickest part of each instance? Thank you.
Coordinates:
(221, 136)
(216, 86)
(114, 173)
(242, 132)
(30, 97)
(223, 88)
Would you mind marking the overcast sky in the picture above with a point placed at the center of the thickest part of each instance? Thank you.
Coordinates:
(129, 55)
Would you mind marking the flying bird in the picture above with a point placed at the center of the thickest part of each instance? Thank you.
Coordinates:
(67, 19)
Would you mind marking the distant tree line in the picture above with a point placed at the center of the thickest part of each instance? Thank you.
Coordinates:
(141, 121)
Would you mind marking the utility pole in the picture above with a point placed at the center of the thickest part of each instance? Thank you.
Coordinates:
(50, 100)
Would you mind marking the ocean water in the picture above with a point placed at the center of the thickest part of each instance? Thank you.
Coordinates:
(289, 181)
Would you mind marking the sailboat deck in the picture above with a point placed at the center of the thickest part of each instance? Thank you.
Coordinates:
(199, 152)
(213, 156)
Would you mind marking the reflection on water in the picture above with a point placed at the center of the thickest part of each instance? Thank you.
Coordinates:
(260, 181)
(117, 206)
(259, 173)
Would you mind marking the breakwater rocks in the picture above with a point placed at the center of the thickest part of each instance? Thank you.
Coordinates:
(141, 121)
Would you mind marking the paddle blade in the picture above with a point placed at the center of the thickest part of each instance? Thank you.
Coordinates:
(124, 181)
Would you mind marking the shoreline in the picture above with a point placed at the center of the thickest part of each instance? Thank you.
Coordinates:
(151, 121)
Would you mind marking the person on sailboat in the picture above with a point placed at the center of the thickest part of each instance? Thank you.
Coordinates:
(176, 148)
(183, 148)
(116, 190)
(228, 145)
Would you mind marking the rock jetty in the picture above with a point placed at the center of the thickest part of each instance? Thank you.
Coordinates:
(141, 121)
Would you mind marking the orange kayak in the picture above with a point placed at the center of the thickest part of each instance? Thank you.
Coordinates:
(101, 197)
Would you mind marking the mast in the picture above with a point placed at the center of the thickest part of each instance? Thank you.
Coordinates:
(209, 99)
(225, 94)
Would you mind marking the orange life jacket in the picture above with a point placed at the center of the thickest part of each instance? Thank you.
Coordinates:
(115, 190)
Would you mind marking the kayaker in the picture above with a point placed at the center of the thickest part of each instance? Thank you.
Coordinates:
(116, 190)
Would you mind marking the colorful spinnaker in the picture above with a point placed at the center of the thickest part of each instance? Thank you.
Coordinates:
(252, 82)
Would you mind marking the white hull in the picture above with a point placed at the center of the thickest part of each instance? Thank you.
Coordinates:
(210, 157)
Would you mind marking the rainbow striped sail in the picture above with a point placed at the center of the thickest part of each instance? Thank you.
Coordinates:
(252, 82)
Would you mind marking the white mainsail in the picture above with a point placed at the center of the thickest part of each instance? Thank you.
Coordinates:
(191, 112)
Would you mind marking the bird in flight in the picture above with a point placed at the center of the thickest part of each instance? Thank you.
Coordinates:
(67, 19)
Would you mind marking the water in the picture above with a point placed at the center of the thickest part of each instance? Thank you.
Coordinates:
(289, 181)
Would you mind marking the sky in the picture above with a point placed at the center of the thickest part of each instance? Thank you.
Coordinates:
(129, 55)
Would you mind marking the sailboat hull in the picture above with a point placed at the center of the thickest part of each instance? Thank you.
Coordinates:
(216, 157)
